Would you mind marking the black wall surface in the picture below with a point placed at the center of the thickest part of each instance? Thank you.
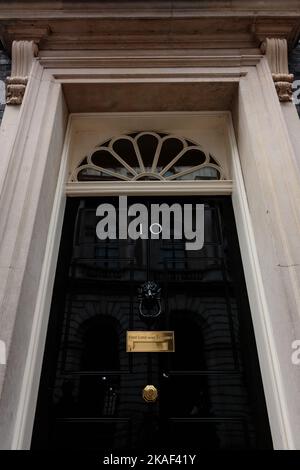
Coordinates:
(294, 66)
(4, 72)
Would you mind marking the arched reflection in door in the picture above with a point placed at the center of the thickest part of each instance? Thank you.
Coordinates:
(92, 389)
(185, 391)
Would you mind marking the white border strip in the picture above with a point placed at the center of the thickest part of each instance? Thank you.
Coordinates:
(113, 188)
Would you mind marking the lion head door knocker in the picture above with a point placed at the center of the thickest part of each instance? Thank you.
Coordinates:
(149, 300)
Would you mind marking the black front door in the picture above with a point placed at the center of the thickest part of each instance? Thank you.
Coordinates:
(210, 394)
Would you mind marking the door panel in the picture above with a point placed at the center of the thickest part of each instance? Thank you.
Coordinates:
(210, 390)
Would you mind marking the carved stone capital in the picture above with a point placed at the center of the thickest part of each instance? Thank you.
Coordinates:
(283, 84)
(23, 53)
(276, 52)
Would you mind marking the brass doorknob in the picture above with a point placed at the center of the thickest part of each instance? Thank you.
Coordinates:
(150, 393)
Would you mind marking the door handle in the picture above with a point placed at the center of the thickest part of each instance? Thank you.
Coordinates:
(150, 393)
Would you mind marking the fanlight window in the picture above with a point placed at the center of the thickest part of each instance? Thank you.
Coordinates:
(148, 156)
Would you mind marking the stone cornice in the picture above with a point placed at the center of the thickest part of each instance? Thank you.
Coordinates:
(96, 59)
(149, 25)
(86, 8)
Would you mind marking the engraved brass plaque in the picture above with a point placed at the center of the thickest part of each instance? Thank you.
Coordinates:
(150, 341)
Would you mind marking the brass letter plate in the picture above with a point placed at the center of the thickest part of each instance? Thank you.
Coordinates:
(150, 341)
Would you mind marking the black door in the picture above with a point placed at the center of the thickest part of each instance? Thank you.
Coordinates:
(210, 393)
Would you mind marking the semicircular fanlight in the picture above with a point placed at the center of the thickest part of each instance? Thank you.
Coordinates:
(148, 156)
